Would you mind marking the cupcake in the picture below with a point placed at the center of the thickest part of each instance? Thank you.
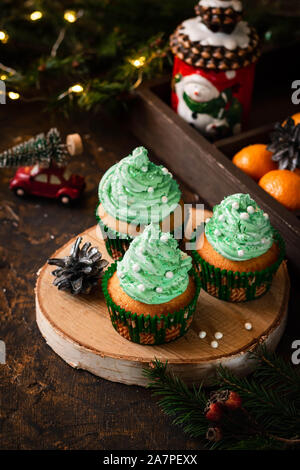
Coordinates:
(152, 292)
(134, 193)
(239, 252)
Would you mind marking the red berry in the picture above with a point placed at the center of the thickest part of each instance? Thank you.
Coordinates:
(233, 401)
(214, 412)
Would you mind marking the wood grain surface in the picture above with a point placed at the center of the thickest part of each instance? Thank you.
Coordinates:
(44, 403)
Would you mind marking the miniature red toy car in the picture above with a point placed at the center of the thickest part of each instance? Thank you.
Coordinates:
(52, 182)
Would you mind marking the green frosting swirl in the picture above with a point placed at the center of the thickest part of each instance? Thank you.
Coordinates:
(239, 230)
(154, 270)
(136, 190)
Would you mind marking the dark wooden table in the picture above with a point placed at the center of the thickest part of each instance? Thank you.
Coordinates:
(44, 403)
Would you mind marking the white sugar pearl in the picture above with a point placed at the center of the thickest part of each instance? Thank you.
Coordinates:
(202, 334)
(144, 169)
(214, 344)
(150, 189)
(248, 326)
(218, 335)
(164, 199)
(141, 287)
(164, 238)
(136, 268)
(221, 217)
(159, 290)
(244, 216)
(207, 220)
(235, 206)
(241, 252)
(165, 170)
(169, 274)
(250, 210)
(266, 216)
(217, 232)
(263, 240)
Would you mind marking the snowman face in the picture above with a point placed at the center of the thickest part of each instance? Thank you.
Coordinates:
(197, 88)
(201, 92)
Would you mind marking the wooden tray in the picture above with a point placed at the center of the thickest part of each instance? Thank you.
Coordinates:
(79, 330)
(207, 168)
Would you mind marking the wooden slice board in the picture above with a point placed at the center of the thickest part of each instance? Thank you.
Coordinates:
(79, 330)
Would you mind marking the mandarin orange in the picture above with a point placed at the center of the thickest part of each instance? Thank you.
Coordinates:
(255, 160)
(296, 118)
(284, 186)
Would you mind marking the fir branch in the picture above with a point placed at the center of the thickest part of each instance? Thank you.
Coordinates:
(267, 419)
(274, 371)
(274, 413)
(178, 400)
(105, 35)
(256, 443)
(251, 391)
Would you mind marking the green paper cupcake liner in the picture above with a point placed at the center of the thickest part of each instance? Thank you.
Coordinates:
(236, 286)
(144, 329)
(117, 243)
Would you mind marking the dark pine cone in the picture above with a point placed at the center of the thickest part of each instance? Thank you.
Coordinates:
(219, 19)
(79, 272)
(285, 145)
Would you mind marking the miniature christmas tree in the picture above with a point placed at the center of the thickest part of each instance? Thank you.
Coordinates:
(42, 162)
(41, 149)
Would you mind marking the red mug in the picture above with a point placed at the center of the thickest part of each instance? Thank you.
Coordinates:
(217, 103)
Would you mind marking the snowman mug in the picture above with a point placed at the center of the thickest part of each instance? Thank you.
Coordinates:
(217, 103)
